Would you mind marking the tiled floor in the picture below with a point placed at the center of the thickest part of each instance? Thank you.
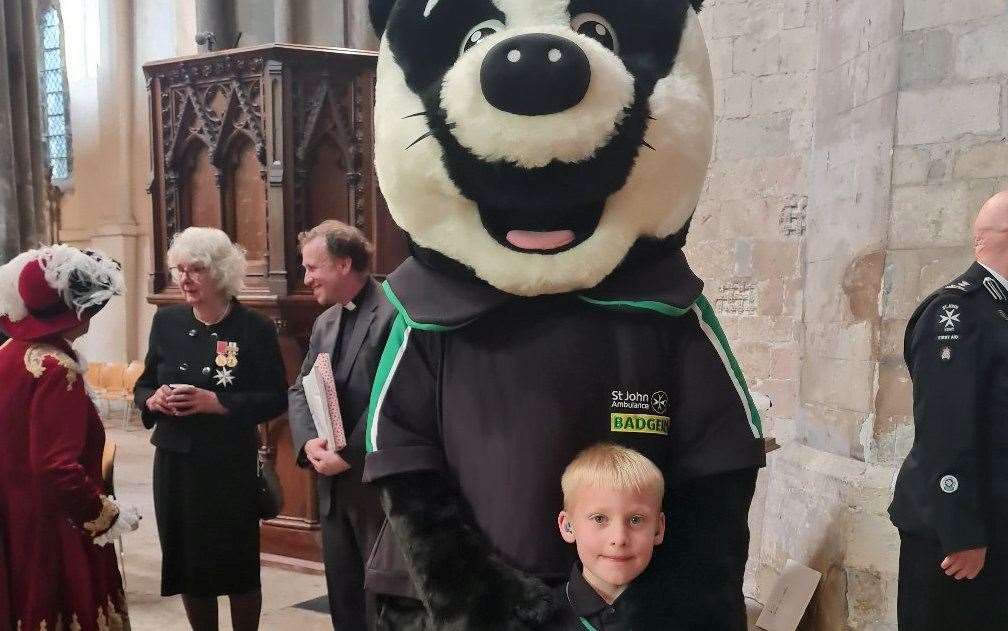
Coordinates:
(148, 611)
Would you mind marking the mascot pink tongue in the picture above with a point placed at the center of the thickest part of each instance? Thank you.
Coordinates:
(528, 240)
(545, 158)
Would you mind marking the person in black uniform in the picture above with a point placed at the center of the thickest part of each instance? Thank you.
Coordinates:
(213, 372)
(337, 260)
(951, 497)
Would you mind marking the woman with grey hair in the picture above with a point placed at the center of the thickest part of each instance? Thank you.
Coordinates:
(213, 372)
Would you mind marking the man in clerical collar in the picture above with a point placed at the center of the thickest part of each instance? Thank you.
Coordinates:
(951, 497)
(337, 261)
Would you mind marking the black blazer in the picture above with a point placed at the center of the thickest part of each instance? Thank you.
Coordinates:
(184, 350)
(353, 373)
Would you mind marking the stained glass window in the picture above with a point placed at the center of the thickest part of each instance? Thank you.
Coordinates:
(55, 110)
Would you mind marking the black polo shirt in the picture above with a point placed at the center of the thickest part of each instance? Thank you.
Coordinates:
(501, 392)
(582, 609)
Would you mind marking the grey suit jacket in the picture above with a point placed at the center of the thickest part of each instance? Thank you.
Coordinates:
(353, 373)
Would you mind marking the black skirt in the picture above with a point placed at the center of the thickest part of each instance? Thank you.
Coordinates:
(208, 522)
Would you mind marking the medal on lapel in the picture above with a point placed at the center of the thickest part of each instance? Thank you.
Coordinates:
(227, 354)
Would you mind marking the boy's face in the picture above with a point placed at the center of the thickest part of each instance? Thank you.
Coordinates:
(615, 533)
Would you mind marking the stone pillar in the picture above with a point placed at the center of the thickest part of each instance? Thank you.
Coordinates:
(283, 21)
(113, 335)
(217, 18)
(359, 32)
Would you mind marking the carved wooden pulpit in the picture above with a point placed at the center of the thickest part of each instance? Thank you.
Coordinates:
(265, 142)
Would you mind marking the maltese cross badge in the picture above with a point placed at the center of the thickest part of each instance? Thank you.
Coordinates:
(949, 317)
(224, 377)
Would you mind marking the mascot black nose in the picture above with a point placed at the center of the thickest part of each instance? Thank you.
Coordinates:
(535, 74)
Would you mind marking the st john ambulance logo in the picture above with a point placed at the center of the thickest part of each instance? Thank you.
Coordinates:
(639, 412)
(949, 317)
(659, 402)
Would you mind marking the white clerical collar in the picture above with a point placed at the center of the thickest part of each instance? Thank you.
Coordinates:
(998, 277)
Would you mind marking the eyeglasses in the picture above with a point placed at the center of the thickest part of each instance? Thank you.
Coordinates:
(192, 271)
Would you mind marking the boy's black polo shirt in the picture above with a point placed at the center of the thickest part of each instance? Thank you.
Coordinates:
(501, 392)
(578, 600)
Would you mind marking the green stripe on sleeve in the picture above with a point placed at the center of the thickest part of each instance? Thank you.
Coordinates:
(395, 346)
(710, 325)
(639, 305)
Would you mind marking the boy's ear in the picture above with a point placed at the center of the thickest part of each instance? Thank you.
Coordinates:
(660, 531)
(566, 527)
(380, 11)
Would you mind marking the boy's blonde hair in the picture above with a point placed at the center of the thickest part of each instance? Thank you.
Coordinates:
(613, 467)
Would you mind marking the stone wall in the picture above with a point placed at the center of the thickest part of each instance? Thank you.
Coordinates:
(855, 141)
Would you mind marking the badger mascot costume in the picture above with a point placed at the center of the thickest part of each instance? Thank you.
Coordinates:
(545, 158)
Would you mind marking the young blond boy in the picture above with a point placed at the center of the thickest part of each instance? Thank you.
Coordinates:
(613, 513)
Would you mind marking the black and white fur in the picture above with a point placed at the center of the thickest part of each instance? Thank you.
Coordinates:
(626, 162)
(621, 165)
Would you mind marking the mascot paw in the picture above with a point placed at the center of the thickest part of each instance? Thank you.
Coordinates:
(519, 603)
(535, 603)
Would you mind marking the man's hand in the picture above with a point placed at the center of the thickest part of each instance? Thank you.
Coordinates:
(325, 462)
(965, 563)
(186, 400)
(158, 402)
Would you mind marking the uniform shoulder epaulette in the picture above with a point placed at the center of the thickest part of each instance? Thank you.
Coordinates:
(34, 360)
(962, 285)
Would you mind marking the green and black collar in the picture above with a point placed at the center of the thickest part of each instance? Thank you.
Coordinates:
(431, 300)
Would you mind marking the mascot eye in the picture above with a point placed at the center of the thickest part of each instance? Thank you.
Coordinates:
(479, 33)
(598, 28)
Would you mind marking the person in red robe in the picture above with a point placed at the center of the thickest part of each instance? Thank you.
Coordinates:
(57, 565)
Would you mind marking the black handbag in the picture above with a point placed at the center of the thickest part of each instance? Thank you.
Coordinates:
(270, 491)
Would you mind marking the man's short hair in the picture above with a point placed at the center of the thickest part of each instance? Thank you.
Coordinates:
(610, 466)
(342, 241)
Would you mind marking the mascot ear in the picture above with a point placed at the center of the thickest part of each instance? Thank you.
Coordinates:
(380, 10)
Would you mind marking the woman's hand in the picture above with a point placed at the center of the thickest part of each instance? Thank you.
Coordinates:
(158, 402)
(186, 400)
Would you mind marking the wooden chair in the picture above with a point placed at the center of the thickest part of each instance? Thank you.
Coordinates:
(95, 380)
(108, 484)
(130, 377)
(115, 386)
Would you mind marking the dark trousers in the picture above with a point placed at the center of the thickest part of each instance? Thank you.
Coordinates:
(931, 601)
(348, 535)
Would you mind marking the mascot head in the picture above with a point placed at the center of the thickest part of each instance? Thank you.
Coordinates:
(535, 141)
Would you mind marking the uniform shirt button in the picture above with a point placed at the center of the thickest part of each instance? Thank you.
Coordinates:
(192, 332)
(206, 370)
(183, 366)
(214, 334)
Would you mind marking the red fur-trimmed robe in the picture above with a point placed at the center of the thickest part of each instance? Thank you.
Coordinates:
(52, 576)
